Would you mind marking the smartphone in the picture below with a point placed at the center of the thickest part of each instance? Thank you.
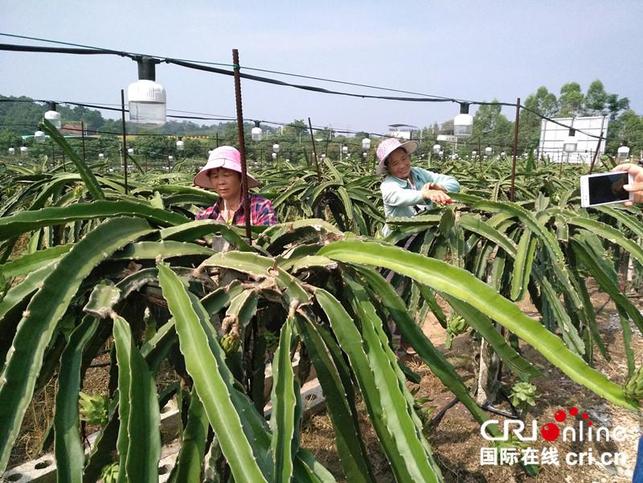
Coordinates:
(604, 188)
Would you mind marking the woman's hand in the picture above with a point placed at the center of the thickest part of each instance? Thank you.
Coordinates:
(436, 195)
(636, 186)
(435, 186)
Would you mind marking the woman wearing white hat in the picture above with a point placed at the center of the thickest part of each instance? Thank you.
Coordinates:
(222, 173)
(407, 190)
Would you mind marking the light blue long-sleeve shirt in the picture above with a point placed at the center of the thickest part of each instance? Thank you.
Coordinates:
(401, 199)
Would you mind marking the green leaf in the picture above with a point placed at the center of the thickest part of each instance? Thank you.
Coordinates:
(208, 383)
(190, 460)
(392, 423)
(138, 394)
(40, 320)
(352, 454)
(22, 222)
(151, 250)
(464, 286)
(283, 422)
(68, 446)
(85, 173)
(33, 261)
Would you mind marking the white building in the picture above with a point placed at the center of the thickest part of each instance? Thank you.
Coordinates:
(553, 136)
(401, 131)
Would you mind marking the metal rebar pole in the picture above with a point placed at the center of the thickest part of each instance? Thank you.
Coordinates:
(512, 193)
(124, 139)
(242, 145)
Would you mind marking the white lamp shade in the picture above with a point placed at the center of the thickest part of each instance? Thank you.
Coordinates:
(488, 150)
(441, 153)
(147, 102)
(24, 149)
(54, 118)
(12, 151)
(170, 158)
(366, 144)
(503, 154)
(623, 152)
(101, 156)
(274, 155)
(130, 151)
(39, 137)
(365, 154)
(275, 148)
(474, 153)
(436, 148)
(345, 149)
(463, 125)
(180, 145)
(256, 133)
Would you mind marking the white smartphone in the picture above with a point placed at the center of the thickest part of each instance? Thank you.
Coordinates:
(604, 188)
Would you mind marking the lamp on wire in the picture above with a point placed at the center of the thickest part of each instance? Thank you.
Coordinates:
(436, 148)
(256, 133)
(24, 150)
(146, 97)
(39, 137)
(463, 122)
(180, 145)
(101, 156)
(12, 151)
(130, 151)
(53, 116)
(366, 144)
(275, 149)
(488, 151)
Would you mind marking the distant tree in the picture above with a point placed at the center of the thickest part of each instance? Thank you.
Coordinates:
(616, 105)
(595, 99)
(541, 102)
(571, 100)
(626, 129)
(297, 127)
(491, 127)
(9, 139)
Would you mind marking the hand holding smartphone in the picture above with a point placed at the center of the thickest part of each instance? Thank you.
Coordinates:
(605, 188)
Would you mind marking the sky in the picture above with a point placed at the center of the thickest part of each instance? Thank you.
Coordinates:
(464, 49)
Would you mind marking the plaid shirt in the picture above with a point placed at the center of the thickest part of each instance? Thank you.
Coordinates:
(261, 212)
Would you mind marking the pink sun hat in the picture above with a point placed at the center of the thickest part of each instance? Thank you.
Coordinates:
(222, 157)
(389, 145)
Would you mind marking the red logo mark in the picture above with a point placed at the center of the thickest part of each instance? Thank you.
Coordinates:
(551, 431)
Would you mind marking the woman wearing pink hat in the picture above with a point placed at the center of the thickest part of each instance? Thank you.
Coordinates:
(407, 190)
(222, 173)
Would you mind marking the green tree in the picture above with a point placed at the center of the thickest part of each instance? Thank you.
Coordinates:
(596, 99)
(491, 127)
(541, 102)
(626, 129)
(571, 100)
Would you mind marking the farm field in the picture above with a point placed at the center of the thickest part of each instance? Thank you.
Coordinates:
(531, 305)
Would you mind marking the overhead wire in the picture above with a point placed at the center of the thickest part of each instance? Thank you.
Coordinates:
(198, 65)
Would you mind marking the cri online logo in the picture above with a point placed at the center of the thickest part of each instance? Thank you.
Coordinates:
(584, 430)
